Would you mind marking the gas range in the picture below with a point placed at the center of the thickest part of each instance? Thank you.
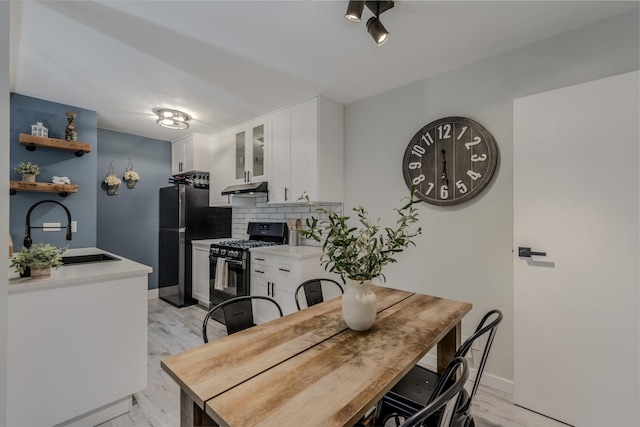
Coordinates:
(261, 234)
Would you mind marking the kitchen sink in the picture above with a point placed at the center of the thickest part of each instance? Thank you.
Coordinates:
(83, 259)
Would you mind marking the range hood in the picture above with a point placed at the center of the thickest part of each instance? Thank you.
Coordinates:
(252, 189)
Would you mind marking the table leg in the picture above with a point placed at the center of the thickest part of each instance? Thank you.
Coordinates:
(191, 415)
(448, 345)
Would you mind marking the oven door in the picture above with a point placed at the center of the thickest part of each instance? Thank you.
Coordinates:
(237, 283)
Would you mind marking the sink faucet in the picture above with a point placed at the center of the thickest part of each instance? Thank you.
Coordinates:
(27, 233)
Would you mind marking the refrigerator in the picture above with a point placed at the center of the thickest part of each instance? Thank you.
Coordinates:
(185, 216)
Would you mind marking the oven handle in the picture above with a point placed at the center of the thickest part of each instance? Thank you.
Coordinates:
(227, 260)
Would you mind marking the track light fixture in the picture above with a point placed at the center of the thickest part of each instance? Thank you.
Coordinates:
(354, 11)
(374, 25)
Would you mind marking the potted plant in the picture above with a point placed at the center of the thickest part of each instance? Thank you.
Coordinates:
(28, 170)
(39, 258)
(358, 252)
(131, 177)
(112, 181)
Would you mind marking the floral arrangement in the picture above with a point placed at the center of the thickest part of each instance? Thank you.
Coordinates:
(131, 175)
(28, 168)
(112, 180)
(359, 253)
(39, 255)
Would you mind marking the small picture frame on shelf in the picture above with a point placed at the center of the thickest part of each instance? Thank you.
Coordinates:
(39, 130)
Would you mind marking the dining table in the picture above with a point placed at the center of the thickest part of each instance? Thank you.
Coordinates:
(308, 368)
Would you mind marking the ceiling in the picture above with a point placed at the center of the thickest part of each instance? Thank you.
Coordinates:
(226, 62)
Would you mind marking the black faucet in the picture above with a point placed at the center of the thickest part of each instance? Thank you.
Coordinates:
(27, 233)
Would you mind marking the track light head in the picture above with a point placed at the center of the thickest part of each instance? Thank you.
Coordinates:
(377, 30)
(354, 10)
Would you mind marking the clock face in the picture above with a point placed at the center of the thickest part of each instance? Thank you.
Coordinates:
(450, 161)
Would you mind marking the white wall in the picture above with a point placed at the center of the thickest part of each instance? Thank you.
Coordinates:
(465, 252)
(4, 197)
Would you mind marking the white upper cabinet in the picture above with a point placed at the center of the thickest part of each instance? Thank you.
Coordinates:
(307, 152)
(249, 148)
(189, 154)
(222, 155)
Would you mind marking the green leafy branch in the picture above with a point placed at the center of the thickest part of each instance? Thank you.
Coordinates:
(360, 252)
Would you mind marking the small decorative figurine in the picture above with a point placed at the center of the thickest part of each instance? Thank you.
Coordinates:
(70, 133)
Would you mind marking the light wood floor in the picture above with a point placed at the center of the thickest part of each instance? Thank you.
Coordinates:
(173, 330)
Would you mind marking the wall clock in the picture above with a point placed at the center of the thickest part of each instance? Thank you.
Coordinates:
(450, 161)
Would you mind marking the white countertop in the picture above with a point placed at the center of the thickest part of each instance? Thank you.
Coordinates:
(205, 243)
(300, 252)
(78, 274)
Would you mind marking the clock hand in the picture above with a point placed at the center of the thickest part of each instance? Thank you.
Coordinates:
(444, 168)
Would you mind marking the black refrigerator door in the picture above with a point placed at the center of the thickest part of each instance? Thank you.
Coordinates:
(171, 206)
(201, 221)
(172, 263)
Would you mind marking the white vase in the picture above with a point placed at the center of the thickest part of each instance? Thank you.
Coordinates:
(359, 305)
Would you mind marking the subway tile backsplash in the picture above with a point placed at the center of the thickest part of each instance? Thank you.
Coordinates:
(276, 212)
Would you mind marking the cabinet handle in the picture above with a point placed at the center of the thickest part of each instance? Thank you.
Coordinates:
(259, 259)
(285, 270)
(286, 195)
(259, 271)
(273, 290)
(248, 176)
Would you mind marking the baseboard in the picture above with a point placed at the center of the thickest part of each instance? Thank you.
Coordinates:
(489, 380)
(102, 414)
(153, 293)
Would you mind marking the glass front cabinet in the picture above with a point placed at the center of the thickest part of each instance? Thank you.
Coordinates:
(249, 148)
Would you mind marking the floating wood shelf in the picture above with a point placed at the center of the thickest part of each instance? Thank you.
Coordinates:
(43, 187)
(32, 141)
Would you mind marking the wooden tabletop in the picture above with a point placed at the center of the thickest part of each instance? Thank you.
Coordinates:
(308, 368)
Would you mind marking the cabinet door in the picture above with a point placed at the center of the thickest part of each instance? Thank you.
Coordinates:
(196, 153)
(284, 297)
(278, 149)
(221, 169)
(200, 275)
(256, 150)
(239, 148)
(302, 135)
(177, 157)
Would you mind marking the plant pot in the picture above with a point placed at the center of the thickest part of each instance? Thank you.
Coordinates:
(41, 272)
(112, 190)
(29, 178)
(131, 183)
(359, 305)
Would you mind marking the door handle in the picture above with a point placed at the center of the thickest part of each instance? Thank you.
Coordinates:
(527, 253)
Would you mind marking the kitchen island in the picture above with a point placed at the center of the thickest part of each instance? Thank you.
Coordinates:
(77, 342)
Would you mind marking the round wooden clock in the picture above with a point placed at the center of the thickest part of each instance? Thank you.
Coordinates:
(450, 161)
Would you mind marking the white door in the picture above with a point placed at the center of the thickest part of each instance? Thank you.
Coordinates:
(576, 197)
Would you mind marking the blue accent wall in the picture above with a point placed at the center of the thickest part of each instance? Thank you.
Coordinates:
(128, 223)
(25, 111)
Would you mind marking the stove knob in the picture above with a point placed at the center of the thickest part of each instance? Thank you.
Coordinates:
(223, 251)
(215, 250)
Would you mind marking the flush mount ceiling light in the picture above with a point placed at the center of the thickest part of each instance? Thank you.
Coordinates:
(374, 26)
(172, 119)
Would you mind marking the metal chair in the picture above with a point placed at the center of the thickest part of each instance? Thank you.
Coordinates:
(415, 389)
(441, 407)
(238, 313)
(313, 291)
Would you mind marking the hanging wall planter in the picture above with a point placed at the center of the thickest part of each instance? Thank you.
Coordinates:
(131, 177)
(112, 181)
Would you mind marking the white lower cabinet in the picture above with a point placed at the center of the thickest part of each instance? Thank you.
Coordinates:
(278, 275)
(200, 274)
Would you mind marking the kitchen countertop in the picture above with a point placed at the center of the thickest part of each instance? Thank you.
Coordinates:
(78, 274)
(300, 252)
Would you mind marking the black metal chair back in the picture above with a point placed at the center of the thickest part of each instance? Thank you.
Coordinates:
(238, 313)
(442, 405)
(483, 328)
(313, 291)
